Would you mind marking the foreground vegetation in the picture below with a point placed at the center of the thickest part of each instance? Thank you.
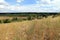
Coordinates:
(37, 29)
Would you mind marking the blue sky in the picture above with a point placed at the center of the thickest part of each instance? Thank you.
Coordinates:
(29, 6)
(25, 2)
(12, 2)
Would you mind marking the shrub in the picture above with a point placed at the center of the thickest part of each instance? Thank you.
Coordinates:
(0, 21)
(24, 19)
(29, 18)
(15, 19)
(39, 17)
(6, 21)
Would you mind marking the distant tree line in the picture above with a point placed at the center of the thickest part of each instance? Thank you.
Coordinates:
(27, 14)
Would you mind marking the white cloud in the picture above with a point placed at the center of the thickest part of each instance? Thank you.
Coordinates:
(55, 2)
(3, 2)
(19, 1)
(43, 1)
(3, 5)
(29, 8)
(33, 8)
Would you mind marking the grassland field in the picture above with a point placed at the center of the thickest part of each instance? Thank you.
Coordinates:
(38, 29)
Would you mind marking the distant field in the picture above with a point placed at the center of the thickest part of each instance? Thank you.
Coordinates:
(38, 29)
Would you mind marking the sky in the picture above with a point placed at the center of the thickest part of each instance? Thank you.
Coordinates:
(29, 6)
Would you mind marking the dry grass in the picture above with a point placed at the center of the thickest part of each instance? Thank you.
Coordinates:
(42, 29)
(5, 17)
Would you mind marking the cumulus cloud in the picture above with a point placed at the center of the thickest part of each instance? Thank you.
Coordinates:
(30, 8)
(45, 3)
(19, 1)
(33, 8)
(50, 2)
(3, 2)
